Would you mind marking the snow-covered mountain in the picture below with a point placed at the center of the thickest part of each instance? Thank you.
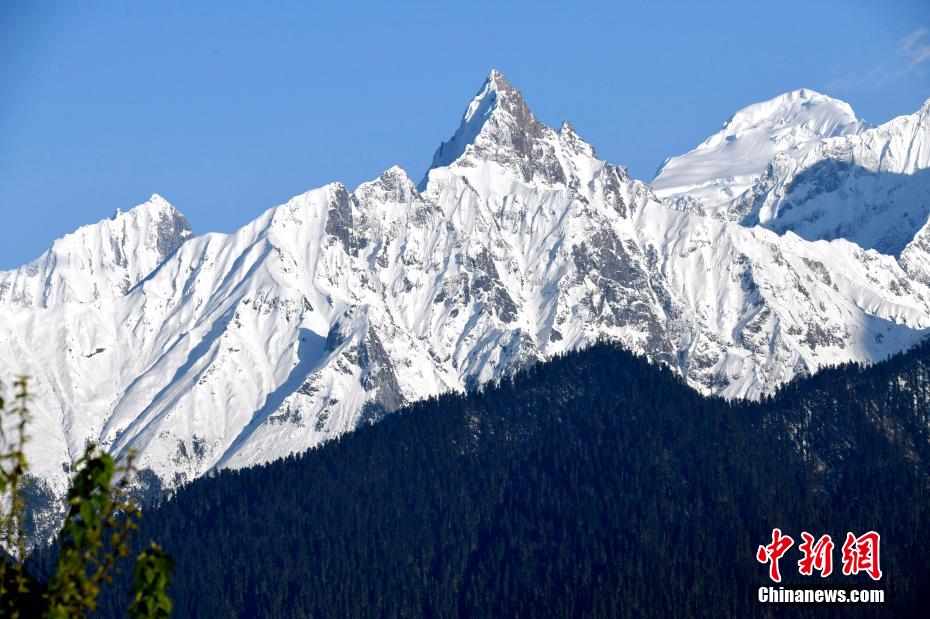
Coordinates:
(716, 173)
(872, 188)
(100, 261)
(338, 307)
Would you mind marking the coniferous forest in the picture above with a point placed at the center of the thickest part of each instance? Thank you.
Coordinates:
(593, 485)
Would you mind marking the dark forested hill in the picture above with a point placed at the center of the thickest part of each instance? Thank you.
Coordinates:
(593, 485)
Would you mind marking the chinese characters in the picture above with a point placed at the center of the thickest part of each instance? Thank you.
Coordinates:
(859, 554)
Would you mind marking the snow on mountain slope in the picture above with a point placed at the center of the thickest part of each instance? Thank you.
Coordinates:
(872, 188)
(764, 308)
(339, 307)
(100, 261)
(710, 177)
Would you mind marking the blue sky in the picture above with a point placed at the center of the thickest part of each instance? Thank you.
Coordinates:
(229, 108)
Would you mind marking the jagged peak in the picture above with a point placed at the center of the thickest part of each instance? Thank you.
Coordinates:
(496, 122)
(570, 139)
(120, 250)
(498, 126)
(153, 210)
(395, 172)
(157, 199)
(154, 207)
(494, 92)
(394, 185)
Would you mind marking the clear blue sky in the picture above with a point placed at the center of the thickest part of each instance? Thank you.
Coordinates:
(228, 108)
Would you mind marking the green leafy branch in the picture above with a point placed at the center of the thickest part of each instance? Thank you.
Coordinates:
(95, 536)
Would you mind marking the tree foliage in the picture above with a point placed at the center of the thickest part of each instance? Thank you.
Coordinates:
(152, 574)
(95, 535)
(14, 583)
(595, 485)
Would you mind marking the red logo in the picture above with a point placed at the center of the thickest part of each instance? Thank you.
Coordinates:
(860, 554)
(773, 552)
(817, 556)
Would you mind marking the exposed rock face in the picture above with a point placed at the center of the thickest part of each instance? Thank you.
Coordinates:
(498, 127)
(339, 307)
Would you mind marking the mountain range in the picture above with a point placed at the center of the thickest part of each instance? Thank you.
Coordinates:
(793, 239)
